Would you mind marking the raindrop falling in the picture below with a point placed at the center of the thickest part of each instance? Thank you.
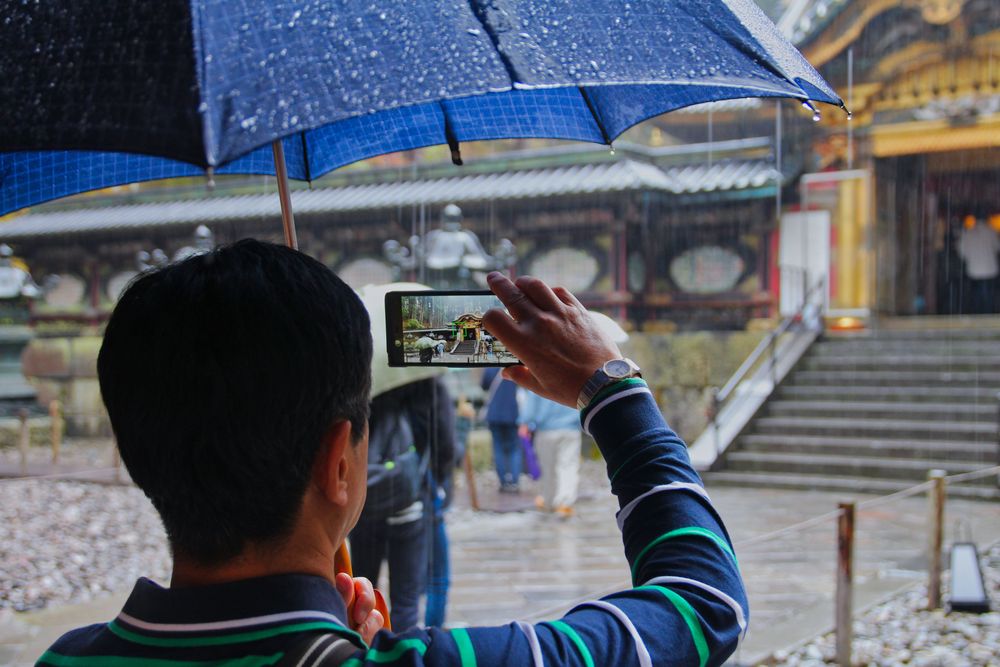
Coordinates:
(850, 115)
(611, 149)
(817, 117)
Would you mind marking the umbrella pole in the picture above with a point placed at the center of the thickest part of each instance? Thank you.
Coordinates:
(284, 195)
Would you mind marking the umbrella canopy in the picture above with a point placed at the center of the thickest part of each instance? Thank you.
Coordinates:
(385, 377)
(105, 92)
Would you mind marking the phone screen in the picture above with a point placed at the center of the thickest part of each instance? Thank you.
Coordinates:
(442, 328)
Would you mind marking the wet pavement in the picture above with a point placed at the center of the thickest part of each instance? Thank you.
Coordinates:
(511, 561)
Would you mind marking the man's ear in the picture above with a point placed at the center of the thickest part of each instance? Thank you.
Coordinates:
(333, 466)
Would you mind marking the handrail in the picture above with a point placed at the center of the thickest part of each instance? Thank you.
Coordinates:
(765, 344)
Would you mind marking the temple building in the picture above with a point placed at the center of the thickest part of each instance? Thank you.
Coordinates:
(920, 157)
(664, 237)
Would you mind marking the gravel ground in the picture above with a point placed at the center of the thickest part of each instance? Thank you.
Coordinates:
(63, 542)
(902, 632)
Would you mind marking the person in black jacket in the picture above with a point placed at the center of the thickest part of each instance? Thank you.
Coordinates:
(404, 538)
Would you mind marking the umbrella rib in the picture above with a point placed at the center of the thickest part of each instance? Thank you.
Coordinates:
(305, 158)
(480, 13)
(593, 112)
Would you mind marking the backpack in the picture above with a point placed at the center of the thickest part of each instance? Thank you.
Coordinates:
(396, 470)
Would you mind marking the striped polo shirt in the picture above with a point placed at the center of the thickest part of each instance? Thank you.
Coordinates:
(686, 605)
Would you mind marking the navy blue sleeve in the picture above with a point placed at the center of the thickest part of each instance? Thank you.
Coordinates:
(687, 604)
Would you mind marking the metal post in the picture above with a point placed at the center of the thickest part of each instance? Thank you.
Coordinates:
(715, 420)
(284, 195)
(773, 362)
(935, 523)
(845, 583)
(470, 480)
(55, 422)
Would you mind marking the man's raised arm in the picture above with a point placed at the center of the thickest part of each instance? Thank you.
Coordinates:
(687, 605)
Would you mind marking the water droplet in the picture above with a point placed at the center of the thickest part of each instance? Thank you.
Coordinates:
(611, 149)
(816, 117)
(472, 31)
(850, 115)
(203, 107)
(247, 123)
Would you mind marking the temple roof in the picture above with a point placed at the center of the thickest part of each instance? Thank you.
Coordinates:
(741, 167)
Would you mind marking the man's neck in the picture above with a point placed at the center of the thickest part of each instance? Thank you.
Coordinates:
(252, 563)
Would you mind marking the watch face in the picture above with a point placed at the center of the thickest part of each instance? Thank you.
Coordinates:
(618, 368)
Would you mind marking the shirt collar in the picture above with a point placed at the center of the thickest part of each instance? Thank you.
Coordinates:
(244, 604)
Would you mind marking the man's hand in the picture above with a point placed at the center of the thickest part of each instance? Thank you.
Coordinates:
(550, 331)
(359, 596)
(524, 431)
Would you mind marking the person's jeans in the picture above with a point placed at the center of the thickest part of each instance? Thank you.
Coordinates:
(506, 453)
(405, 545)
(439, 572)
(982, 295)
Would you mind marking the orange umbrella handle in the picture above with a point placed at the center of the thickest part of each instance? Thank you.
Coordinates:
(342, 563)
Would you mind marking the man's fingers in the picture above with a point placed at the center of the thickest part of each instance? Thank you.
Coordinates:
(567, 297)
(522, 377)
(364, 599)
(540, 293)
(371, 626)
(518, 304)
(499, 324)
(345, 586)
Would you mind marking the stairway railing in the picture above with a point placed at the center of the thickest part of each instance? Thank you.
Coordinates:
(767, 346)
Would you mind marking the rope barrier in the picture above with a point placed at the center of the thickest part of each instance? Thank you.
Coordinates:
(796, 527)
(69, 475)
(973, 474)
(898, 495)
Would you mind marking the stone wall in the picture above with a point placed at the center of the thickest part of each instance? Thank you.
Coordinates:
(681, 369)
(65, 368)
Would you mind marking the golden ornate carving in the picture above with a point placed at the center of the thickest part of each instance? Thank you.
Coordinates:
(940, 12)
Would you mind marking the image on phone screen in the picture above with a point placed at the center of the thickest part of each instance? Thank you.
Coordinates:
(443, 328)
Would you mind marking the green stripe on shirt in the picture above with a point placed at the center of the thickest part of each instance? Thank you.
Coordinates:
(59, 660)
(613, 388)
(690, 617)
(681, 532)
(395, 653)
(562, 627)
(465, 650)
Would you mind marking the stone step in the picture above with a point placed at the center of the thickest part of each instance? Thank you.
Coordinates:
(985, 431)
(952, 450)
(974, 330)
(845, 466)
(917, 362)
(847, 485)
(874, 348)
(903, 378)
(973, 395)
(893, 410)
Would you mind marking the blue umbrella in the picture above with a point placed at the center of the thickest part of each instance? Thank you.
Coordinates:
(106, 92)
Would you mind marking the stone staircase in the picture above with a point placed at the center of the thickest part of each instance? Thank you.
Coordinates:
(874, 411)
(465, 348)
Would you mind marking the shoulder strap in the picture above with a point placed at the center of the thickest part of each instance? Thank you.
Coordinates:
(318, 650)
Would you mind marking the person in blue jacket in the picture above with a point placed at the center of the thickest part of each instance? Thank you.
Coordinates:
(501, 417)
(251, 444)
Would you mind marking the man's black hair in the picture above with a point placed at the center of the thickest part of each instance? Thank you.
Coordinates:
(221, 375)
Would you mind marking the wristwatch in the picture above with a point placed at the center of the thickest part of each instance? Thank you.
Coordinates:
(612, 371)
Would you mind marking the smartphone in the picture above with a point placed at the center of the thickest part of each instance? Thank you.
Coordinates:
(443, 328)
